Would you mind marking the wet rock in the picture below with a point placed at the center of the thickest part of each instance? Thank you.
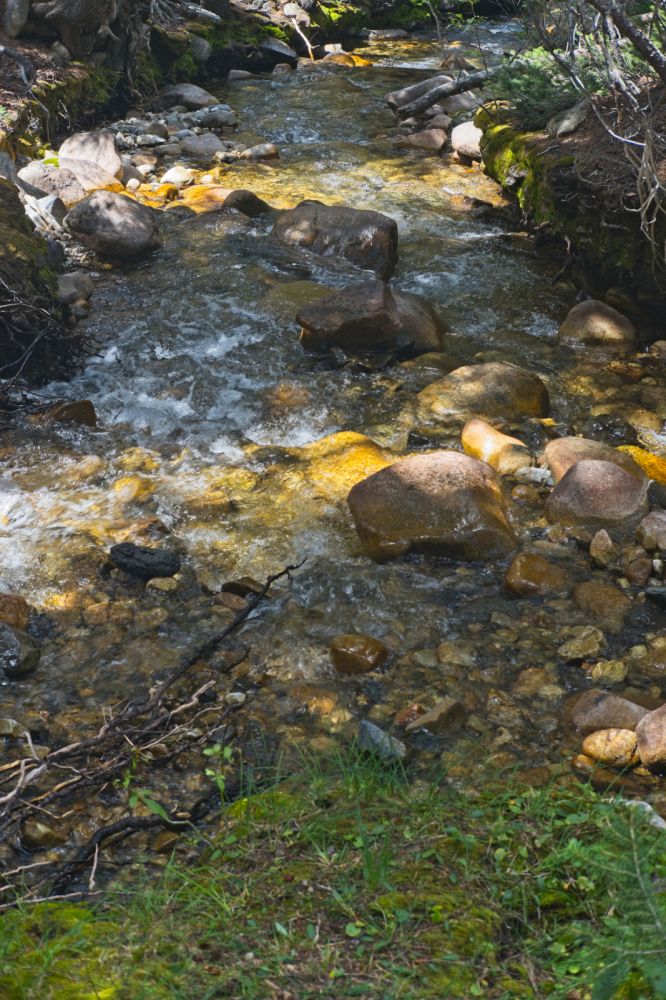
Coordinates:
(38, 836)
(375, 741)
(247, 203)
(652, 531)
(494, 389)
(262, 151)
(609, 672)
(98, 148)
(357, 654)
(78, 411)
(584, 643)
(603, 603)
(431, 140)
(612, 747)
(530, 575)
(564, 452)
(179, 175)
(651, 736)
(446, 715)
(187, 94)
(505, 454)
(19, 653)
(654, 466)
(592, 710)
(603, 549)
(74, 286)
(610, 428)
(14, 611)
(596, 494)
(114, 226)
(440, 121)
(657, 595)
(466, 141)
(593, 323)
(368, 318)
(144, 563)
(49, 180)
(202, 146)
(366, 239)
(339, 461)
(443, 502)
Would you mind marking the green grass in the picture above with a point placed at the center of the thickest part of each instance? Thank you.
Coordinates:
(353, 880)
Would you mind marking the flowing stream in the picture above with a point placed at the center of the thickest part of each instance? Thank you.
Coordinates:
(209, 412)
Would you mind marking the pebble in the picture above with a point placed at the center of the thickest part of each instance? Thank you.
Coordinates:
(381, 744)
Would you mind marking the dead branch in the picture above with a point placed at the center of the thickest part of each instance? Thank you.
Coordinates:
(470, 82)
(28, 72)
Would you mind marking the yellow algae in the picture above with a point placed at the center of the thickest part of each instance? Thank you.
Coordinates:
(654, 466)
(205, 197)
(137, 460)
(133, 489)
(339, 461)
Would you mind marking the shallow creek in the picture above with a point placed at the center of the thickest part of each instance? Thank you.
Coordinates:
(208, 413)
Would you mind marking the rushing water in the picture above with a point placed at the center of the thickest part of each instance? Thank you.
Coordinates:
(206, 406)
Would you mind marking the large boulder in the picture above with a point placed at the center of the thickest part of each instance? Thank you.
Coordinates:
(90, 176)
(564, 452)
(370, 317)
(466, 141)
(595, 324)
(13, 15)
(594, 495)
(114, 226)
(443, 502)
(50, 180)
(202, 147)
(492, 390)
(366, 239)
(651, 735)
(98, 148)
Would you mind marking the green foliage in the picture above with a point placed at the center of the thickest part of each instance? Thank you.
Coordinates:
(537, 88)
(351, 879)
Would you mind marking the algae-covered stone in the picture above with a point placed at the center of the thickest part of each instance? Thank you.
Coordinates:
(584, 642)
(491, 390)
(602, 603)
(612, 747)
(443, 502)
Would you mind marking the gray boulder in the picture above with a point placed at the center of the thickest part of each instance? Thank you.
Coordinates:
(41, 179)
(114, 226)
(187, 94)
(98, 148)
(597, 494)
(14, 16)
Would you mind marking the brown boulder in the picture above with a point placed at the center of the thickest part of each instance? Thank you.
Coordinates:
(593, 323)
(594, 495)
(612, 747)
(357, 654)
(651, 735)
(494, 389)
(564, 452)
(366, 239)
(530, 575)
(505, 454)
(14, 611)
(595, 709)
(443, 502)
(370, 317)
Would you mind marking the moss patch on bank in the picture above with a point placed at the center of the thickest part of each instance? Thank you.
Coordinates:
(353, 880)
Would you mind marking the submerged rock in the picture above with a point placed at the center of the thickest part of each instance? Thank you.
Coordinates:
(593, 323)
(366, 239)
(370, 317)
(114, 226)
(144, 563)
(444, 502)
(493, 389)
(14, 611)
(603, 603)
(594, 495)
(592, 710)
(531, 575)
(19, 653)
(612, 747)
(357, 654)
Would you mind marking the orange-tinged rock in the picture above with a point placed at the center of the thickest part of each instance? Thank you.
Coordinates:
(654, 466)
(133, 489)
(530, 575)
(505, 454)
(339, 461)
(340, 59)
(166, 192)
(613, 747)
(360, 61)
(205, 197)
(357, 654)
(14, 611)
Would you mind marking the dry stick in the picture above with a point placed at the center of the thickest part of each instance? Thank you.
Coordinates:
(28, 73)
(469, 82)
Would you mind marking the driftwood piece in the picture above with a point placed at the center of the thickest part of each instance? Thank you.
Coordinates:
(398, 98)
(443, 90)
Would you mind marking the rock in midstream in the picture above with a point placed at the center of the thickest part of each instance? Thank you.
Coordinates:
(114, 226)
(364, 238)
(144, 563)
(19, 653)
(594, 495)
(443, 502)
(370, 317)
(493, 389)
(564, 452)
(595, 324)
